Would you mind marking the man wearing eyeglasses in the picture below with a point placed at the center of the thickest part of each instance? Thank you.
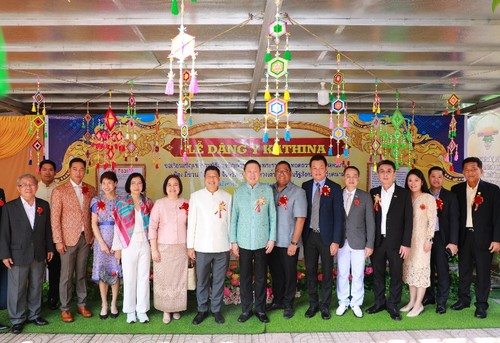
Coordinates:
(25, 245)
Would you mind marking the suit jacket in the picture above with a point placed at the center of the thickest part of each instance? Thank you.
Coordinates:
(68, 217)
(399, 223)
(360, 222)
(486, 219)
(448, 217)
(331, 213)
(21, 242)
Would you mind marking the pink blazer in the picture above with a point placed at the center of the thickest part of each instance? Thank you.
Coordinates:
(67, 217)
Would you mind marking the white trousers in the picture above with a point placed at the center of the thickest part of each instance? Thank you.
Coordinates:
(136, 261)
(353, 261)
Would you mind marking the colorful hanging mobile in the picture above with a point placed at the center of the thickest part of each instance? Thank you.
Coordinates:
(452, 148)
(183, 48)
(338, 105)
(375, 130)
(156, 152)
(38, 124)
(277, 68)
(87, 136)
(130, 146)
(401, 138)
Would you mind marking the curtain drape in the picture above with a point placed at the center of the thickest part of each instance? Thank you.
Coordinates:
(14, 135)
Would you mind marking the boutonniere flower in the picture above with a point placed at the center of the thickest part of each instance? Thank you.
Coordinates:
(478, 200)
(439, 204)
(422, 207)
(260, 202)
(85, 190)
(356, 201)
(222, 207)
(376, 202)
(325, 191)
(39, 210)
(185, 207)
(130, 201)
(101, 206)
(283, 201)
(2, 202)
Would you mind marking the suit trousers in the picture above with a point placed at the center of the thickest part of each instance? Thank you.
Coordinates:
(136, 264)
(25, 288)
(314, 248)
(283, 270)
(210, 266)
(54, 267)
(439, 265)
(380, 255)
(253, 263)
(74, 260)
(469, 256)
(353, 261)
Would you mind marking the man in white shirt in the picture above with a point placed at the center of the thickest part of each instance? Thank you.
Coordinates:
(47, 172)
(208, 243)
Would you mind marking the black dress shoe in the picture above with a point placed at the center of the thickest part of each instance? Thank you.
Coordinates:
(244, 316)
(263, 317)
(274, 306)
(428, 301)
(480, 313)
(459, 305)
(325, 313)
(375, 309)
(219, 319)
(395, 315)
(4, 327)
(440, 309)
(311, 312)
(39, 321)
(200, 317)
(114, 315)
(288, 313)
(103, 316)
(17, 328)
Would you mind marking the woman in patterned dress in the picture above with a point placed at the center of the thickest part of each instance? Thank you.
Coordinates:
(167, 235)
(417, 267)
(106, 267)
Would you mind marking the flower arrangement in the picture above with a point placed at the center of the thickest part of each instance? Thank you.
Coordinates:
(85, 190)
(260, 202)
(185, 207)
(376, 202)
(478, 200)
(325, 191)
(283, 201)
(422, 206)
(39, 210)
(222, 207)
(356, 201)
(101, 205)
(439, 204)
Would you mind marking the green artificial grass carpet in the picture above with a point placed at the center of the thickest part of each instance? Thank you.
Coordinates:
(376, 322)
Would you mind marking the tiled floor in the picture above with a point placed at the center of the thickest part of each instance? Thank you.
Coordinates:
(423, 336)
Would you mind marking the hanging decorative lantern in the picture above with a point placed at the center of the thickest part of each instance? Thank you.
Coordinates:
(376, 130)
(401, 137)
(453, 107)
(277, 68)
(38, 124)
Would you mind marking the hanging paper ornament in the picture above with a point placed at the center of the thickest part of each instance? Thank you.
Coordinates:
(452, 148)
(38, 124)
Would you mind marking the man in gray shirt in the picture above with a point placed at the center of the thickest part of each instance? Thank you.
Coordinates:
(291, 212)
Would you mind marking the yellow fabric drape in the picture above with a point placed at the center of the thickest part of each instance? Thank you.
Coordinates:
(14, 135)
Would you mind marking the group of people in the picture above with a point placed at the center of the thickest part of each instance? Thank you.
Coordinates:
(412, 230)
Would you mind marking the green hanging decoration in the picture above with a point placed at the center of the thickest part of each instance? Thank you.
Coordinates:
(4, 77)
(175, 7)
(268, 57)
(287, 55)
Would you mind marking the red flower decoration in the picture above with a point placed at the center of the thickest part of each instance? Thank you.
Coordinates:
(2, 202)
(39, 210)
(356, 202)
(184, 206)
(325, 191)
(85, 190)
(422, 207)
(376, 202)
(283, 201)
(101, 205)
(130, 201)
(439, 204)
(478, 200)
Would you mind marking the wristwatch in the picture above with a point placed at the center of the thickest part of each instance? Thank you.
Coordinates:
(294, 243)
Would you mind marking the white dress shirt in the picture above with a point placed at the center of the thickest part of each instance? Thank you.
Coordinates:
(386, 197)
(30, 211)
(471, 194)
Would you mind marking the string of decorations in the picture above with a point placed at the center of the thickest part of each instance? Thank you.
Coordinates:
(401, 138)
(156, 150)
(38, 124)
(452, 148)
(376, 130)
(277, 68)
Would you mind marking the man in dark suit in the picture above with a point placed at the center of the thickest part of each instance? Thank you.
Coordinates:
(322, 234)
(479, 237)
(3, 270)
(445, 240)
(25, 244)
(394, 224)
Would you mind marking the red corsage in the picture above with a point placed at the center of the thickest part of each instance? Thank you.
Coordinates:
(325, 191)
(185, 206)
(260, 202)
(101, 205)
(130, 201)
(478, 200)
(439, 204)
(356, 202)
(422, 207)
(2, 202)
(283, 201)
(222, 207)
(376, 202)
(39, 210)
(85, 190)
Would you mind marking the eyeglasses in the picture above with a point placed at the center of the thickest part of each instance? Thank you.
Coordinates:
(26, 185)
